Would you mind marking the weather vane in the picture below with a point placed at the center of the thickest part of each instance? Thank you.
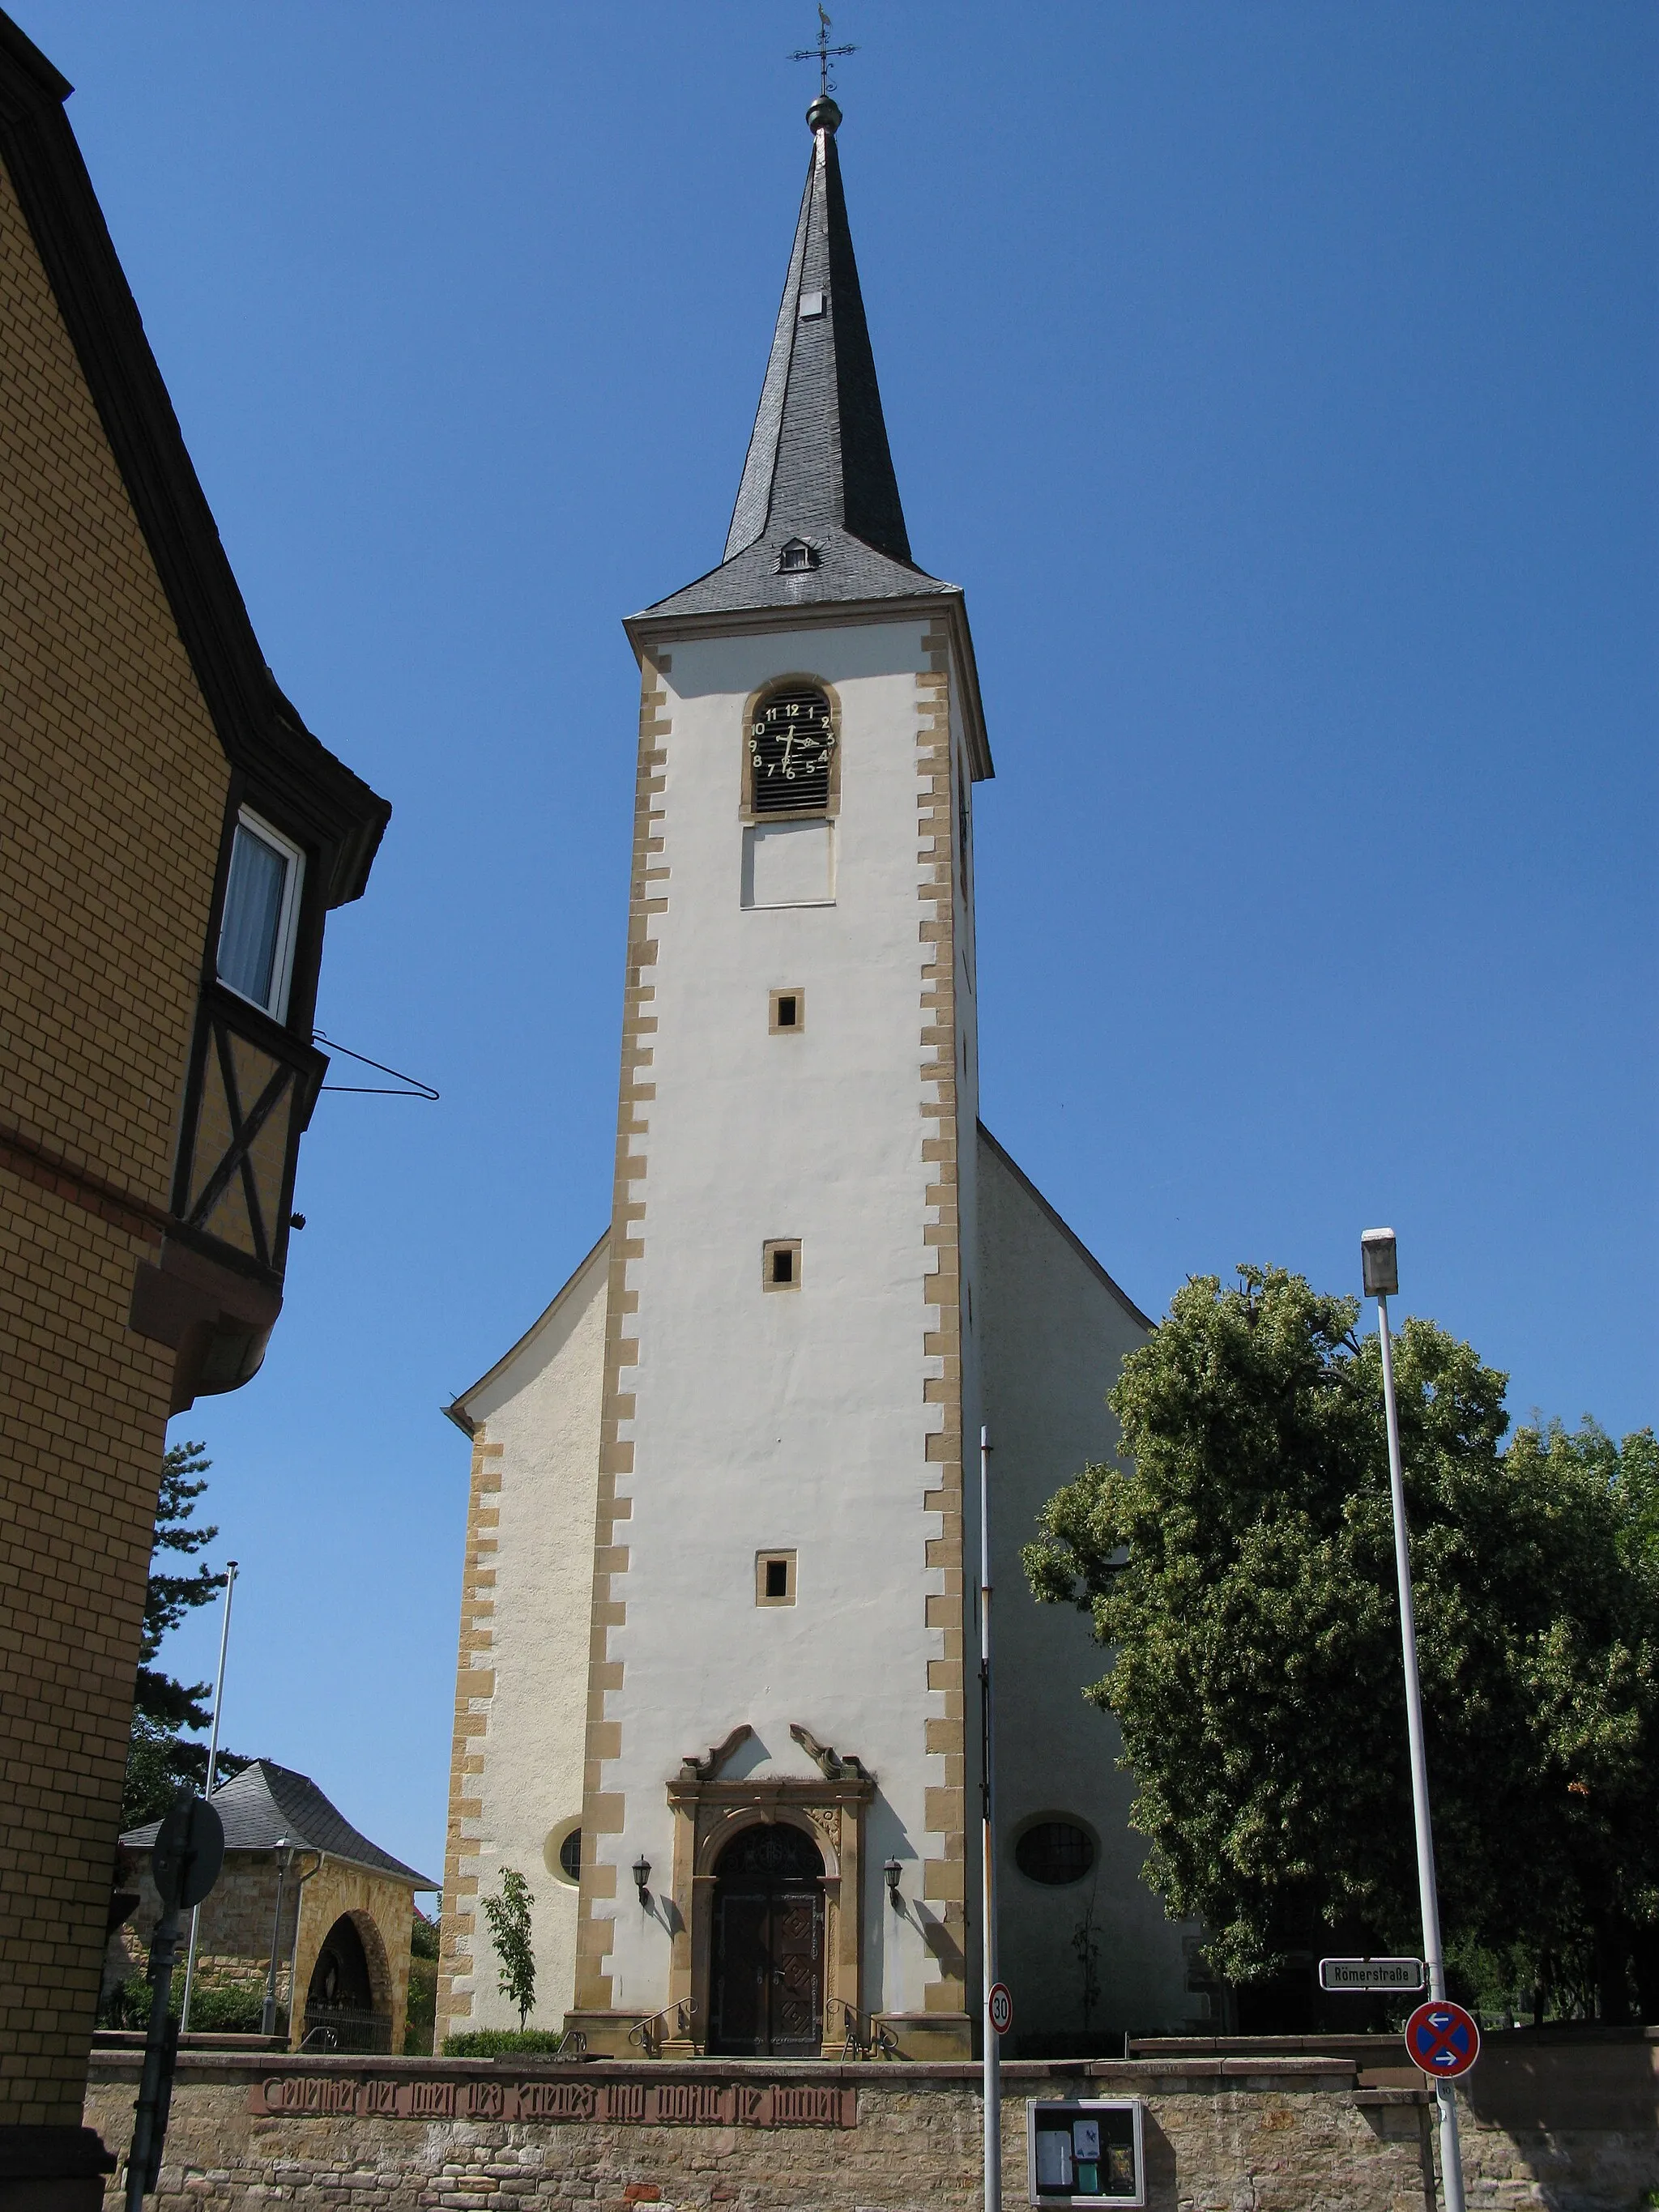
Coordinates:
(823, 54)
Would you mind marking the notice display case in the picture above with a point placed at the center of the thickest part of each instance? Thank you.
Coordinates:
(1087, 2151)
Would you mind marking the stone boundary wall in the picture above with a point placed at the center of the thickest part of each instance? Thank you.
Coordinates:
(508, 2135)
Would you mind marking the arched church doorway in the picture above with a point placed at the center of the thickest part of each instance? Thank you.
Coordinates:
(768, 1978)
(340, 2014)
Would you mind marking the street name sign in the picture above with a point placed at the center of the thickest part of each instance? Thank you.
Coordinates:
(1442, 2039)
(1370, 1973)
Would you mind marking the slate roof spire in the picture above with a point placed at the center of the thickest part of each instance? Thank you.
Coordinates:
(818, 452)
(818, 515)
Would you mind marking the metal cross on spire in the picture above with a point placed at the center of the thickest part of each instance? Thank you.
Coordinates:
(823, 54)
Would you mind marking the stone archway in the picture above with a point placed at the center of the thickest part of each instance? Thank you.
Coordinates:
(766, 1979)
(348, 1997)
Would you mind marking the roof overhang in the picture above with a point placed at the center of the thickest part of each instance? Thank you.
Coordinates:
(647, 630)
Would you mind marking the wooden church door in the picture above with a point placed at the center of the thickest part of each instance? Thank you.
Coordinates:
(768, 1946)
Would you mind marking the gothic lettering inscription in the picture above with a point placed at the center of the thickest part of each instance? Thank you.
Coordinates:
(661, 2104)
(316, 2093)
(807, 2108)
(558, 2100)
(431, 2100)
(691, 2103)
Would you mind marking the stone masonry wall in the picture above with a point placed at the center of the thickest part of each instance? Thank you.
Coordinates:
(1216, 2137)
(112, 794)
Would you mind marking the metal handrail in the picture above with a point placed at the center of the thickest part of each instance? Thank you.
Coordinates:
(346, 2028)
(879, 2043)
(647, 2033)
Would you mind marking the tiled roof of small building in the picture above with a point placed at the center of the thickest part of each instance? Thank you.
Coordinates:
(266, 1805)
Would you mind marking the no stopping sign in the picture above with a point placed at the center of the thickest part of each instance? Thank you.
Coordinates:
(1442, 2039)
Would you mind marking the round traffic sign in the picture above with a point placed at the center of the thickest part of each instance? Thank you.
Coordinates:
(1442, 2039)
(1000, 2006)
(186, 1857)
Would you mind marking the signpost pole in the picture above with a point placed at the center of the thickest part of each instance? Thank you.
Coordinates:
(213, 1761)
(1382, 1276)
(184, 1862)
(992, 2097)
(160, 2047)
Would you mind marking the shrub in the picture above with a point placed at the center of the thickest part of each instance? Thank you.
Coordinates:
(500, 2042)
(235, 2010)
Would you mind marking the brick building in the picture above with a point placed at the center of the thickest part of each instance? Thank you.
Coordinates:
(304, 1890)
(172, 836)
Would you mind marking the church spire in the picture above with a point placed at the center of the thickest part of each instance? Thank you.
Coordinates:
(817, 518)
(819, 454)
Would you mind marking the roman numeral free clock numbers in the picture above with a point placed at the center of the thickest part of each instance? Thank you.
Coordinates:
(790, 741)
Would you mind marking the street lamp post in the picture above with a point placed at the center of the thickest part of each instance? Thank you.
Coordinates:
(1381, 1276)
(991, 2046)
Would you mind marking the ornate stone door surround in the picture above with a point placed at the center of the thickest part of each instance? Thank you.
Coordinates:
(708, 1812)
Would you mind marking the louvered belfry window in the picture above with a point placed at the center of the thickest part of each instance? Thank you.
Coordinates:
(792, 743)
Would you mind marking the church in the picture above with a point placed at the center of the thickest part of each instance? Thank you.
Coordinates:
(717, 1695)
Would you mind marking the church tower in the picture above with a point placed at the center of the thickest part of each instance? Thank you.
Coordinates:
(779, 1553)
(716, 1659)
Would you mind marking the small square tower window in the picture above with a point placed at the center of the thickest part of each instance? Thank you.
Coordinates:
(788, 1012)
(781, 1264)
(774, 1578)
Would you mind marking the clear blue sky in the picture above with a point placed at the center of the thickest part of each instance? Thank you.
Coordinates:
(1278, 380)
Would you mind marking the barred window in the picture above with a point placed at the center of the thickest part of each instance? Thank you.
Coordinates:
(1054, 1852)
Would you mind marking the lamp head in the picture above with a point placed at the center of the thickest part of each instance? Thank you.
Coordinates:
(642, 1878)
(892, 1869)
(1379, 1264)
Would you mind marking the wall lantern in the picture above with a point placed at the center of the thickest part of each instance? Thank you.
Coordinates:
(641, 1881)
(892, 1869)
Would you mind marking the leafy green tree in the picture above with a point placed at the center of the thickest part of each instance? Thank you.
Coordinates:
(508, 1916)
(1591, 1683)
(160, 1761)
(1238, 1563)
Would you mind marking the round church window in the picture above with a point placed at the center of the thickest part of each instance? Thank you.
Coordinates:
(1054, 1852)
(561, 1852)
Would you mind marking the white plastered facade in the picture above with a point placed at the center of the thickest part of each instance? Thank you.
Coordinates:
(540, 1405)
(797, 1421)
(791, 1419)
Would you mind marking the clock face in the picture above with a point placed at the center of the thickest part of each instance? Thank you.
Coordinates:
(791, 741)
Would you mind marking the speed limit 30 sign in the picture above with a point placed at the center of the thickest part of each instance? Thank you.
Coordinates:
(1000, 2006)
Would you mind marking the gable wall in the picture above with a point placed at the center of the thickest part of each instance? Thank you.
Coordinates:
(521, 1696)
(1054, 1337)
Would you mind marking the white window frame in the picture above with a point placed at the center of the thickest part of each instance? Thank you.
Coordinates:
(287, 920)
(1082, 2105)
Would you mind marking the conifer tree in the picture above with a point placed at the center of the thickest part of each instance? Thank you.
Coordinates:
(160, 1761)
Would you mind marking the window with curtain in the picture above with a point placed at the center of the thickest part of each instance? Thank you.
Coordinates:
(261, 900)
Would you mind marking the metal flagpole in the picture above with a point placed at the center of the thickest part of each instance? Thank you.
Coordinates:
(213, 1761)
(993, 2042)
(1382, 1276)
